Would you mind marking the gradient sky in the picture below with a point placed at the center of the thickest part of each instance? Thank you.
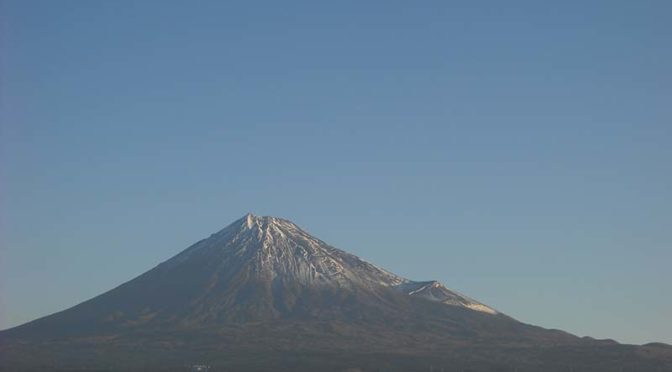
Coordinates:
(519, 151)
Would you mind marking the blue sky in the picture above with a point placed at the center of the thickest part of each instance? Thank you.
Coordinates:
(517, 151)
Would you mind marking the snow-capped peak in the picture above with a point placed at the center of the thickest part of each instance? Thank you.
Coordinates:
(272, 248)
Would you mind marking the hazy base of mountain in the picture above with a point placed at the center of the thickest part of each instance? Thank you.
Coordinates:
(324, 346)
(264, 295)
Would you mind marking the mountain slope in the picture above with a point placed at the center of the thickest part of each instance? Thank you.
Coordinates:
(257, 268)
(262, 284)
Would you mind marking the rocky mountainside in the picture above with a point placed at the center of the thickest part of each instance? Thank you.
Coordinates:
(263, 294)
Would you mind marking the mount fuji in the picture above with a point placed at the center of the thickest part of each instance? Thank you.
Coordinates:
(264, 295)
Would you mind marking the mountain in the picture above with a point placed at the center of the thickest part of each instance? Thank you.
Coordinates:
(264, 295)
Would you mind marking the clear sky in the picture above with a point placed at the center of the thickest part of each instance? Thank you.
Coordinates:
(518, 151)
